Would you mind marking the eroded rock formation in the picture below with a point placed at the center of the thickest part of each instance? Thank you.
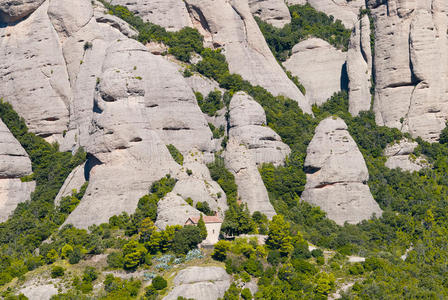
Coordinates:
(274, 12)
(399, 155)
(337, 175)
(359, 67)
(230, 25)
(171, 14)
(320, 68)
(411, 65)
(206, 283)
(14, 163)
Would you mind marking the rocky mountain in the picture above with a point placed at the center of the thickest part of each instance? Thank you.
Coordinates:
(263, 113)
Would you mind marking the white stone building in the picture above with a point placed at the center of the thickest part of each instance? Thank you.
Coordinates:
(213, 226)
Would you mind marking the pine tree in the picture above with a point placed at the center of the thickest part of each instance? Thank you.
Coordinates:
(202, 228)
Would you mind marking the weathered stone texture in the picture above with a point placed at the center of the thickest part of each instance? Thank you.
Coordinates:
(337, 175)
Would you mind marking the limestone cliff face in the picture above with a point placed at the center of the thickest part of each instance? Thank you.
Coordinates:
(337, 175)
(411, 65)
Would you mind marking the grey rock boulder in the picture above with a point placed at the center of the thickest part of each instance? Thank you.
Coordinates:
(207, 283)
(74, 181)
(199, 186)
(174, 210)
(274, 12)
(337, 175)
(247, 121)
(319, 67)
(399, 155)
(251, 189)
(15, 10)
(14, 163)
(12, 192)
(171, 14)
(345, 10)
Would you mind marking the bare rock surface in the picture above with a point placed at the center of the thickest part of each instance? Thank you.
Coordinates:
(251, 189)
(274, 12)
(319, 67)
(199, 186)
(174, 210)
(247, 120)
(15, 10)
(231, 26)
(14, 163)
(206, 283)
(359, 67)
(399, 155)
(411, 66)
(33, 73)
(39, 291)
(345, 10)
(12, 192)
(171, 14)
(74, 181)
(337, 175)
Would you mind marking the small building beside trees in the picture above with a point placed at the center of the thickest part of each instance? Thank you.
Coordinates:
(213, 226)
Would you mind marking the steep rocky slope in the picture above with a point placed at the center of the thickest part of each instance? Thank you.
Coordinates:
(411, 65)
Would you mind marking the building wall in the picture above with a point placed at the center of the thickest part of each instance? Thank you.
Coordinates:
(213, 230)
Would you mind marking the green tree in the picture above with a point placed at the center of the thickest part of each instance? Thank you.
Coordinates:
(202, 228)
(279, 236)
(159, 283)
(186, 239)
(220, 250)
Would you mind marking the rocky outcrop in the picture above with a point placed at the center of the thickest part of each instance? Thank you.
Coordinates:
(171, 14)
(207, 283)
(252, 143)
(411, 66)
(247, 122)
(337, 175)
(359, 67)
(15, 10)
(251, 189)
(399, 156)
(231, 26)
(174, 210)
(345, 10)
(320, 68)
(199, 186)
(33, 74)
(274, 12)
(74, 181)
(14, 163)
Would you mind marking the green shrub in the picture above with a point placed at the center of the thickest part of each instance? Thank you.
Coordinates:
(159, 283)
(177, 156)
(115, 260)
(57, 271)
(186, 239)
(210, 104)
(246, 294)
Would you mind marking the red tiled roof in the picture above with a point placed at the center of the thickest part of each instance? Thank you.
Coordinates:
(207, 219)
